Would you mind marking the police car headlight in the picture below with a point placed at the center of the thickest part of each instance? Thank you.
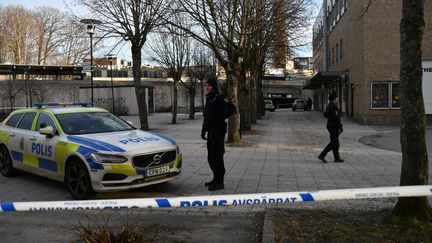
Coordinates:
(108, 158)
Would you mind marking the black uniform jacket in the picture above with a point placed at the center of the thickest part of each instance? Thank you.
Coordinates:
(216, 110)
(333, 115)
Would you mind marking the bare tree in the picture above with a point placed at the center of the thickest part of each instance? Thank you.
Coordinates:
(279, 47)
(219, 26)
(229, 29)
(10, 92)
(273, 29)
(43, 36)
(201, 67)
(18, 28)
(413, 120)
(3, 37)
(171, 50)
(131, 20)
(74, 45)
(48, 23)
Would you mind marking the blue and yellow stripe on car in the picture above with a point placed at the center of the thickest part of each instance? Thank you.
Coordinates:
(34, 161)
(4, 137)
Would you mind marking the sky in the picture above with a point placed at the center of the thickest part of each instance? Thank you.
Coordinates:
(123, 51)
(30, 4)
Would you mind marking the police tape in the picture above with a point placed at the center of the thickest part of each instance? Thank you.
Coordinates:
(222, 200)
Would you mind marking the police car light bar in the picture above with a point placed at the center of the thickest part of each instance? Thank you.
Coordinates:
(45, 104)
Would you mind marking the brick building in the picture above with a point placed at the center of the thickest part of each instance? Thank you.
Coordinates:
(357, 55)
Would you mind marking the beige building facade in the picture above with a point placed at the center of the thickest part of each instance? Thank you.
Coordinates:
(359, 57)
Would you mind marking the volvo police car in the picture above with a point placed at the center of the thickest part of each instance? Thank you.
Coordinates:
(87, 148)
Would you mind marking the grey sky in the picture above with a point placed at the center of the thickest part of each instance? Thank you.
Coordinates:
(30, 4)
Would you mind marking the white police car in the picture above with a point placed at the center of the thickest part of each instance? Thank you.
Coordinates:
(88, 148)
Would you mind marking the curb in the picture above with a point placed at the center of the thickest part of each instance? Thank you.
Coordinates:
(268, 227)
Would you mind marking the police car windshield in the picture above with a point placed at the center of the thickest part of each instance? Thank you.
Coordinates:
(91, 122)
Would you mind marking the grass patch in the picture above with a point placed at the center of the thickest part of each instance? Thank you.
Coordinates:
(345, 226)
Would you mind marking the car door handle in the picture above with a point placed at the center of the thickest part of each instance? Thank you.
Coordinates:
(32, 138)
(12, 135)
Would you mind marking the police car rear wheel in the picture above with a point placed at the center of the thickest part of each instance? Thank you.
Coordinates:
(6, 166)
(78, 181)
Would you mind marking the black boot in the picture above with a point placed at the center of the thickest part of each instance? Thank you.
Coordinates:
(322, 158)
(338, 160)
(216, 186)
(209, 183)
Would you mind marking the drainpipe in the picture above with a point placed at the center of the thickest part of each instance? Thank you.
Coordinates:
(325, 37)
(325, 49)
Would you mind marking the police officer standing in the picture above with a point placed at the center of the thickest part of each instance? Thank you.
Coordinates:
(334, 126)
(216, 110)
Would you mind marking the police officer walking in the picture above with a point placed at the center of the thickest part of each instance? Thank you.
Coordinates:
(334, 126)
(216, 110)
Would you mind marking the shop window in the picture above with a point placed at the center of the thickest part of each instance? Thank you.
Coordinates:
(380, 95)
(385, 95)
(395, 96)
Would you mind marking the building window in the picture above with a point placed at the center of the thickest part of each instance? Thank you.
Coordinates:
(333, 56)
(337, 52)
(340, 51)
(381, 98)
(395, 96)
(341, 7)
(336, 10)
(329, 58)
(380, 95)
(345, 4)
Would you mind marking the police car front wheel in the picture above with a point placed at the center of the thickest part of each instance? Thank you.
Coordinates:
(77, 180)
(6, 166)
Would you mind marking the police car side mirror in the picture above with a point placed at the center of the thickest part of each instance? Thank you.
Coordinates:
(130, 123)
(48, 131)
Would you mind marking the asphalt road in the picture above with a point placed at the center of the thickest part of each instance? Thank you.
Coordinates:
(388, 138)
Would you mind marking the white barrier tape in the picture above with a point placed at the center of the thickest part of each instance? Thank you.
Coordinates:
(222, 200)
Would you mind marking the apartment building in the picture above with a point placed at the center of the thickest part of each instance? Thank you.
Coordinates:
(356, 54)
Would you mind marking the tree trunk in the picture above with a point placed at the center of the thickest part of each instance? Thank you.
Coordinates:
(139, 91)
(192, 94)
(174, 103)
(413, 119)
(202, 95)
(260, 98)
(233, 123)
(245, 103)
(253, 97)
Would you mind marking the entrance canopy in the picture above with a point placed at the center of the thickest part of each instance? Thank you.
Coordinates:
(322, 79)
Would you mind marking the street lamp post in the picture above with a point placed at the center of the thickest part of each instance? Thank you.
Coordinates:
(110, 58)
(90, 26)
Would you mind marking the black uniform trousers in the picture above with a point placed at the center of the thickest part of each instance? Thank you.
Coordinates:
(334, 143)
(216, 151)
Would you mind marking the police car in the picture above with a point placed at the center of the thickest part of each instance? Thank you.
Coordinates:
(87, 148)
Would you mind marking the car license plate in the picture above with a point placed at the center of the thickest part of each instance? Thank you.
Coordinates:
(158, 171)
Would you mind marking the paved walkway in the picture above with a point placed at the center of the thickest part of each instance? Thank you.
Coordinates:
(279, 155)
